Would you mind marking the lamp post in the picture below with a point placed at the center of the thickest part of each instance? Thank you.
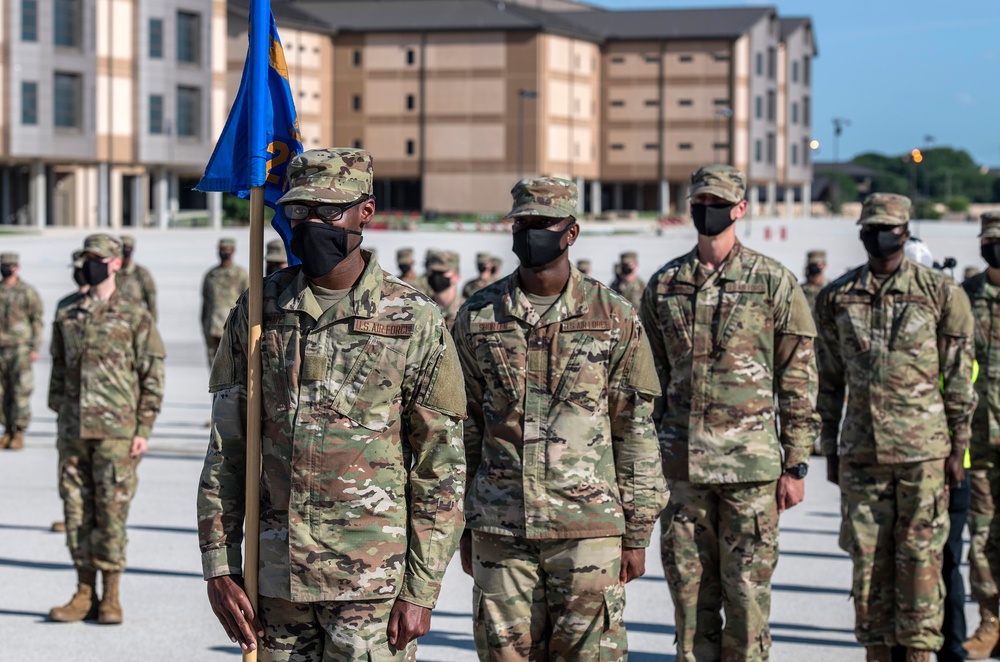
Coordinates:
(521, 96)
(723, 114)
(839, 124)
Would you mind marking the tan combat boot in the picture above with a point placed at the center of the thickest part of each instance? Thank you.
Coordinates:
(982, 642)
(110, 611)
(16, 440)
(83, 605)
(914, 655)
(58, 527)
(5, 440)
(878, 654)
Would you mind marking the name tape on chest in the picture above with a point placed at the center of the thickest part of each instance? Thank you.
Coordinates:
(491, 327)
(751, 288)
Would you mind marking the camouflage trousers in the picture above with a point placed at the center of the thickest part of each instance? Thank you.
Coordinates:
(895, 524)
(329, 632)
(984, 527)
(17, 381)
(720, 545)
(97, 480)
(211, 347)
(557, 600)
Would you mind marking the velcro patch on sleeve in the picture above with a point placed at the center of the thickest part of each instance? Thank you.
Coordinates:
(587, 325)
(314, 368)
(383, 329)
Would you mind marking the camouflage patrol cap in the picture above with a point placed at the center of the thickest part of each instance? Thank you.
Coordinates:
(545, 196)
(723, 181)
(442, 261)
(227, 242)
(275, 251)
(816, 257)
(8, 258)
(991, 225)
(335, 176)
(885, 209)
(629, 257)
(483, 258)
(127, 240)
(583, 265)
(496, 261)
(404, 256)
(102, 245)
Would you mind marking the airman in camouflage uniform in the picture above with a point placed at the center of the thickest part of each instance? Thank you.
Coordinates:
(815, 276)
(443, 278)
(363, 465)
(407, 274)
(583, 266)
(274, 257)
(564, 482)
(983, 290)
(134, 282)
(732, 336)
(488, 267)
(896, 338)
(627, 283)
(20, 340)
(106, 387)
(219, 291)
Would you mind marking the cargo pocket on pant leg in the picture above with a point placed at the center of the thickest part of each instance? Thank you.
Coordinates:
(614, 643)
(478, 621)
(385, 652)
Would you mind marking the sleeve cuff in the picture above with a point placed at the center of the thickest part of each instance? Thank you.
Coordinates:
(222, 561)
(418, 592)
(636, 540)
(144, 431)
(795, 455)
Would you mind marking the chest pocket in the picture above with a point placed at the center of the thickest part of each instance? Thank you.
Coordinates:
(501, 387)
(372, 390)
(676, 312)
(910, 328)
(854, 324)
(582, 378)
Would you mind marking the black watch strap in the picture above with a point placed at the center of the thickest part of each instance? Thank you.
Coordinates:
(798, 470)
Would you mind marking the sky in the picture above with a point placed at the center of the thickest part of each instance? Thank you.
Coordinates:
(899, 70)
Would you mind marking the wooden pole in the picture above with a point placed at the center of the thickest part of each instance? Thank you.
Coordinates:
(254, 394)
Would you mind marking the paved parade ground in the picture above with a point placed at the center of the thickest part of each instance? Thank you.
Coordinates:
(167, 616)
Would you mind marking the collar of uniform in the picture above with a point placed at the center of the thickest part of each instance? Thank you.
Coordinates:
(571, 303)
(733, 266)
(90, 301)
(364, 296)
(897, 282)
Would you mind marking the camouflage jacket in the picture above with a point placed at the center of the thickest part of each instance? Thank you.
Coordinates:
(902, 353)
(219, 291)
(20, 316)
(136, 285)
(107, 369)
(363, 466)
(812, 291)
(450, 312)
(985, 299)
(473, 286)
(730, 346)
(559, 439)
(631, 290)
(419, 283)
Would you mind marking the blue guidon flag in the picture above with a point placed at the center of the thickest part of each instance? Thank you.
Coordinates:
(261, 136)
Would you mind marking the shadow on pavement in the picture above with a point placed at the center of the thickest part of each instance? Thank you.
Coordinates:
(137, 527)
(448, 639)
(30, 614)
(48, 565)
(816, 555)
(811, 532)
(638, 656)
(809, 628)
(793, 588)
(232, 650)
(812, 641)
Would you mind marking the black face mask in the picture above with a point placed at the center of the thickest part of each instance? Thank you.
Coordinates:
(991, 253)
(126, 253)
(405, 269)
(438, 281)
(78, 276)
(6, 270)
(95, 272)
(627, 269)
(813, 270)
(321, 247)
(482, 267)
(536, 247)
(711, 220)
(881, 243)
(224, 255)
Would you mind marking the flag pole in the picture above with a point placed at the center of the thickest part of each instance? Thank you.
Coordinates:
(254, 396)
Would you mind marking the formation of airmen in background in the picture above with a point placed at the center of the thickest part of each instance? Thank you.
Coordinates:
(587, 414)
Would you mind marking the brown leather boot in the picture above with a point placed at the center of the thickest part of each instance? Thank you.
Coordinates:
(914, 655)
(110, 611)
(83, 605)
(878, 653)
(58, 527)
(982, 642)
(5, 440)
(16, 440)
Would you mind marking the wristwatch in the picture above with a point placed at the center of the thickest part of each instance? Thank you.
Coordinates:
(798, 471)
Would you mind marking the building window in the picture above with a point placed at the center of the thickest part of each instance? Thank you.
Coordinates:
(188, 111)
(617, 103)
(155, 38)
(356, 58)
(806, 153)
(68, 17)
(770, 148)
(720, 102)
(410, 147)
(771, 105)
(684, 146)
(357, 144)
(685, 102)
(68, 97)
(806, 112)
(720, 145)
(188, 37)
(411, 57)
(772, 63)
(29, 20)
(685, 58)
(758, 104)
(758, 150)
(652, 146)
(156, 114)
(795, 72)
(618, 60)
(795, 154)
(29, 102)
(795, 112)
(652, 102)
(806, 70)
(617, 147)
(356, 102)
(760, 64)
(652, 59)
(411, 102)
(721, 57)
